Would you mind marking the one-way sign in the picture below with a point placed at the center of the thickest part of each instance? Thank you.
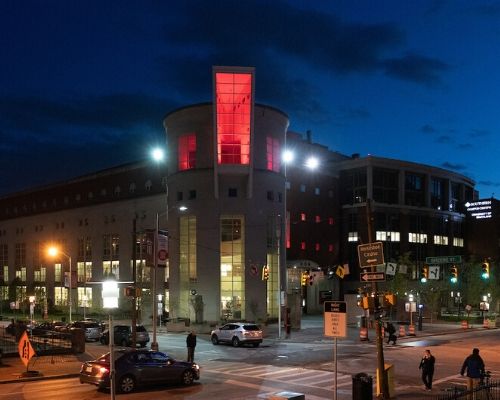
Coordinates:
(372, 276)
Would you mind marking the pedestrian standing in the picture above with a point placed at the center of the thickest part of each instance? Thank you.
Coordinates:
(427, 367)
(474, 365)
(191, 344)
(391, 330)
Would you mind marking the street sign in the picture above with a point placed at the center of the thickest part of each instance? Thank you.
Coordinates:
(371, 254)
(335, 319)
(372, 276)
(25, 349)
(444, 260)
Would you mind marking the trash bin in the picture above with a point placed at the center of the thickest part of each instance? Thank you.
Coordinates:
(77, 340)
(362, 387)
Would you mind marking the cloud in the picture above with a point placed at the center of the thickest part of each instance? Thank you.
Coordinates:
(444, 139)
(489, 183)
(416, 68)
(465, 146)
(454, 167)
(475, 133)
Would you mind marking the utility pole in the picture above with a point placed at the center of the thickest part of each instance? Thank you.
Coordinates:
(384, 385)
(134, 285)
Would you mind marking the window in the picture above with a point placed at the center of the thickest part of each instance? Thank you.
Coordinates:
(111, 246)
(232, 192)
(233, 98)
(187, 248)
(352, 237)
(302, 216)
(84, 297)
(110, 268)
(317, 219)
(386, 236)
(192, 194)
(20, 254)
(458, 242)
(441, 240)
(180, 196)
(57, 272)
(330, 248)
(84, 271)
(302, 245)
(317, 247)
(187, 152)
(317, 191)
(273, 154)
(270, 195)
(302, 188)
(330, 220)
(40, 275)
(60, 296)
(417, 237)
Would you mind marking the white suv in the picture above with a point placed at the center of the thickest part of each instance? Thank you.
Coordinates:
(237, 333)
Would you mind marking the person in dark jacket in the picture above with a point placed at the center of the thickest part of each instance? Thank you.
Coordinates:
(391, 330)
(474, 365)
(427, 367)
(191, 344)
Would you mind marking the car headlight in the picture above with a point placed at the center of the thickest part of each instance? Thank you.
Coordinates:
(196, 366)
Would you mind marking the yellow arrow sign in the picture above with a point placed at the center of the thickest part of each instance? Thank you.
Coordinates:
(25, 350)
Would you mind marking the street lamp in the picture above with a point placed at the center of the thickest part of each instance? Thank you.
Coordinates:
(53, 252)
(110, 295)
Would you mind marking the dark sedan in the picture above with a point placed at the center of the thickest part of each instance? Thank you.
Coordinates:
(138, 368)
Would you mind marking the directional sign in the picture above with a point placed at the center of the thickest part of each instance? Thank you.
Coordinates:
(371, 254)
(372, 276)
(444, 260)
(335, 319)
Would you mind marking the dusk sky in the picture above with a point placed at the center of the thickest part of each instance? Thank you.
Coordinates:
(84, 85)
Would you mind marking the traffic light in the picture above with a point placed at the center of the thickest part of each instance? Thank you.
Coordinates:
(424, 273)
(453, 274)
(485, 273)
(265, 273)
(311, 279)
(304, 278)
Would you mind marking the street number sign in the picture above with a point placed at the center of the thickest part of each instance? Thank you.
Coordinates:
(335, 319)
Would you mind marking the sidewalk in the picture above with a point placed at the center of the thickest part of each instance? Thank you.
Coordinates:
(67, 366)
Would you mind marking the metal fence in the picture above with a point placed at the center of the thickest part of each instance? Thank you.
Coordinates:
(48, 343)
(485, 391)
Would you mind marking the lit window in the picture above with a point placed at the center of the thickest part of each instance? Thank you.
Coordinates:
(233, 92)
(330, 221)
(317, 247)
(330, 248)
(317, 191)
(302, 188)
(302, 216)
(317, 219)
(386, 236)
(352, 237)
(302, 245)
(458, 242)
(441, 240)
(273, 154)
(417, 237)
(187, 152)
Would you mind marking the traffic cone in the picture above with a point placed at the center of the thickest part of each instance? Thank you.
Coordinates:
(363, 334)
(411, 330)
(402, 331)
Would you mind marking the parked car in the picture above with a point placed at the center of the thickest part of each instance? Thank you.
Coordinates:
(123, 335)
(237, 333)
(42, 329)
(135, 368)
(92, 329)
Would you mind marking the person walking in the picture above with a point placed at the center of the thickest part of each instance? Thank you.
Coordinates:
(191, 344)
(427, 367)
(474, 365)
(391, 330)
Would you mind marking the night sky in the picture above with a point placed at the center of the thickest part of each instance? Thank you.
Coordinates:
(84, 85)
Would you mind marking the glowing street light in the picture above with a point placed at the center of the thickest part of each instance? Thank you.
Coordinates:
(312, 163)
(54, 252)
(157, 154)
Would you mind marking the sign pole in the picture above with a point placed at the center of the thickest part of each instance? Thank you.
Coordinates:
(335, 363)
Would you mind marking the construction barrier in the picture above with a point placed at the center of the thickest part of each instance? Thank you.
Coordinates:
(402, 331)
(411, 330)
(465, 325)
(363, 334)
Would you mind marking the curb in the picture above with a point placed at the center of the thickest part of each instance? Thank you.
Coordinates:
(40, 378)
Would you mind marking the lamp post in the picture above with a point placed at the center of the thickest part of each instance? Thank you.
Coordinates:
(110, 295)
(53, 252)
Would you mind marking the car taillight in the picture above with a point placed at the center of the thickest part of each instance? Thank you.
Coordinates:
(103, 371)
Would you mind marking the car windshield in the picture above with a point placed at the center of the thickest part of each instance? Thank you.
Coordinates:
(91, 325)
(140, 328)
(105, 357)
(251, 327)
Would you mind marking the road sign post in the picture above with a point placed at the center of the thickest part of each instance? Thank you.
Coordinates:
(335, 325)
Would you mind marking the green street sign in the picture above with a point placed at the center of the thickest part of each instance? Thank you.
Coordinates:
(444, 260)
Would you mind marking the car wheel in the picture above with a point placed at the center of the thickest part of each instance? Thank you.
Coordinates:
(256, 344)
(235, 342)
(187, 377)
(124, 343)
(126, 384)
(215, 339)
